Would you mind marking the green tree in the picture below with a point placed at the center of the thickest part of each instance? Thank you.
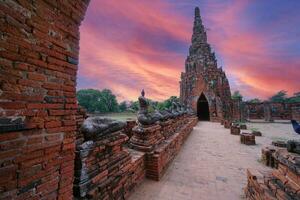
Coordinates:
(95, 100)
(280, 96)
(167, 103)
(237, 95)
(109, 101)
(134, 106)
(90, 99)
(294, 99)
(256, 100)
(123, 106)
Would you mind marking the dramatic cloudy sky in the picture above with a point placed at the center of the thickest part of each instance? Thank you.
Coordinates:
(127, 45)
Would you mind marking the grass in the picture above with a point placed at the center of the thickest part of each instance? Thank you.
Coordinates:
(118, 116)
(253, 129)
(279, 139)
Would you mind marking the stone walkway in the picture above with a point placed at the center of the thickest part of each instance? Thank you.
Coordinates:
(211, 165)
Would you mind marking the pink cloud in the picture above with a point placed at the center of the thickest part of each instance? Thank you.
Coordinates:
(259, 70)
(122, 56)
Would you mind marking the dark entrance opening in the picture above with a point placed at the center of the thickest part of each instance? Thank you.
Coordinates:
(203, 108)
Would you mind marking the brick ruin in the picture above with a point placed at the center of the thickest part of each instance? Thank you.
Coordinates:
(270, 111)
(39, 48)
(204, 86)
(282, 182)
(43, 155)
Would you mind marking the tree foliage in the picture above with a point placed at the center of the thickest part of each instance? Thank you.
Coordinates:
(237, 95)
(256, 100)
(280, 96)
(89, 99)
(105, 101)
(97, 101)
(167, 103)
(123, 106)
(294, 99)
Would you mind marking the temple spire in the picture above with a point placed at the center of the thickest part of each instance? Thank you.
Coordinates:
(197, 12)
(199, 34)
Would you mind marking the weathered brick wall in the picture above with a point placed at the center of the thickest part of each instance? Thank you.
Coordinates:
(105, 169)
(296, 112)
(39, 46)
(158, 160)
(277, 111)
(237, 108)
(280, 183)
(39, 116)
(255, 111)
(281, 111)
(102, 166)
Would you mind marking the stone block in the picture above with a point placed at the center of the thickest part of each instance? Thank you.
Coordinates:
(234, 130)
(280, 183)
(247, 138)
(227, 124)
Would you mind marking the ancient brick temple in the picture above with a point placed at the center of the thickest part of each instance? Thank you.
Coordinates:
(204, 85)
(43, 155)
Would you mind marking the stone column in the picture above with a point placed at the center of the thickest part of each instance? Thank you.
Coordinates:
(267, 112)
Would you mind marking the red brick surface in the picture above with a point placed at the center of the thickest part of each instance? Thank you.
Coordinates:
(39, 45)
(280, 183)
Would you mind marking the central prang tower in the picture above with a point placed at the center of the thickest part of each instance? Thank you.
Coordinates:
(204, 86)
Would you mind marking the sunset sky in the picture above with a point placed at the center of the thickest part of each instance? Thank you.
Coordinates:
(127, 45)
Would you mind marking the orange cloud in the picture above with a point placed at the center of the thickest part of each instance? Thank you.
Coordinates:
(130, 46)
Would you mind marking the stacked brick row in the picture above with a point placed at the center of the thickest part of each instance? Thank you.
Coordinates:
(281, 183)
(80, 117)
(137, 172)
(102, 167)
(39, 42)
(158, 161)
(167, 128)
(145, 138)
(130, 124)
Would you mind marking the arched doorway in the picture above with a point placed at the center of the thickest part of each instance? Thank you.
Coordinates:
(203, 108)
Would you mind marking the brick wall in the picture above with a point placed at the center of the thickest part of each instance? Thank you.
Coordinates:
(39, 46)
(277, 111)
(158, 160)
(39, 115)
(296, 113)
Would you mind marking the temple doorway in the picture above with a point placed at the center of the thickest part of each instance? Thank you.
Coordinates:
(203, 108)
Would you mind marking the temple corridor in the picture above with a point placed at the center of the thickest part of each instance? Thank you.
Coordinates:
(211, 165)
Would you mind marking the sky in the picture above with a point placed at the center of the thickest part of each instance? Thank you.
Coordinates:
(130, 45)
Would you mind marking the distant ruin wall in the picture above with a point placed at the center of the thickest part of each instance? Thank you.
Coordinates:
(296, 112)
(268, 111)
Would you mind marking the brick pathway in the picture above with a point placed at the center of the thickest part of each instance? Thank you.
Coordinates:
(211, 165)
